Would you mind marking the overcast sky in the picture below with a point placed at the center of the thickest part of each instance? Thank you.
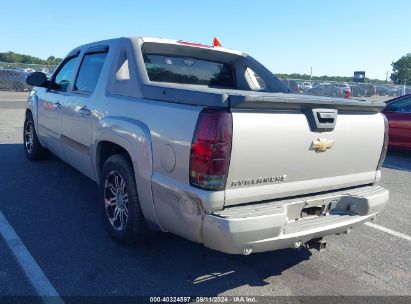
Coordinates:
(332, 37)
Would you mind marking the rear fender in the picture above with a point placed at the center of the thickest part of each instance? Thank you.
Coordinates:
(134, 137)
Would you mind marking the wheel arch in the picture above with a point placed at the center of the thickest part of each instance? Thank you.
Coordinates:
(32, 107)
(130, 137)
(28, 111)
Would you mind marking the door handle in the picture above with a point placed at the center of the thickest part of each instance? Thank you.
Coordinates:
(58, 105)
(84, 111)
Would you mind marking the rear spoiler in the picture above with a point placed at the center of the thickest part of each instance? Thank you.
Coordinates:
(221, 98)
(284, 101)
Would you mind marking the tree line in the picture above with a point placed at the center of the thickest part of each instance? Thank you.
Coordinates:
(12, 57)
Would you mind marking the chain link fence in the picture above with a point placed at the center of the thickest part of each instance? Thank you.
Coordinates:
(345, 89)
(13, 75)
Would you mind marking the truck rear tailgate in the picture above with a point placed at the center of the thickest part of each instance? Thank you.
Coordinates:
(274, 153)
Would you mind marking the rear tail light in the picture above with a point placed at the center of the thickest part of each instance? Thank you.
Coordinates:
(385, 144)
(211, 149)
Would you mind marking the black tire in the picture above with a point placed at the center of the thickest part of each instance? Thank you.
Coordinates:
(134, 228)
(31, 144)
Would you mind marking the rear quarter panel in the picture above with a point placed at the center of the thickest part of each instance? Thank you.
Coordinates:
(160, 135)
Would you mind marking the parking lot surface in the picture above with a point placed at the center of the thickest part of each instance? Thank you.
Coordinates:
(53, 209)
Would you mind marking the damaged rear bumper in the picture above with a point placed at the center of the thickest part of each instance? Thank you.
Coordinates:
(278, 224)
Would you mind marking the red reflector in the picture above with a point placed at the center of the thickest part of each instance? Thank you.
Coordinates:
(193, 44)
(216, 42)
(211, 149)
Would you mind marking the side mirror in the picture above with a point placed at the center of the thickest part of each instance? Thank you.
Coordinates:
(37, 79)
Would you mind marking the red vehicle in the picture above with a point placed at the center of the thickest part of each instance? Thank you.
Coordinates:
(398, 113)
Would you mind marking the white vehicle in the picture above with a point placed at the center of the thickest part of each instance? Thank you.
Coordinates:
(208, 144)
(307, 85)
(28, 70)
(44, 70)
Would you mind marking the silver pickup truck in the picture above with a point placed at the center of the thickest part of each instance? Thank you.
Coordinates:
(206, 143)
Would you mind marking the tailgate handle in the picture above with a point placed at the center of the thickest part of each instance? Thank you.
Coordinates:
(326, 117)
(321, 120)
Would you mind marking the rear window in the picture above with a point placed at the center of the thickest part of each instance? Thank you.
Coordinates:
(185, 70)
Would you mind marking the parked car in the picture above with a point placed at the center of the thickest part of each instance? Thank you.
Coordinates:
(362, 89)
(398, 113)
(307, 85)
(43, 70)
(342, 89)
(13, 80)
(294, 86)
(369, 89)
(383, 90)
(180, 139)
(357, 90)
(28, 70)
(395, 91)
(324, 90)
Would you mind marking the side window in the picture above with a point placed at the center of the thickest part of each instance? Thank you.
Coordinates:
(403, 105)
(89, 72)
(254, 80)
(64, 75)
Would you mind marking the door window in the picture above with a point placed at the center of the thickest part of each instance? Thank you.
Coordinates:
(403, 105)
(61, 80)
(89, 72)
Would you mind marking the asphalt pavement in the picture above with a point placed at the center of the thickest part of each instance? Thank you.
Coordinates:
(53, 209)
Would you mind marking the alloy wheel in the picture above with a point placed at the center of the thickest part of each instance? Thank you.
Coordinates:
(116, 200)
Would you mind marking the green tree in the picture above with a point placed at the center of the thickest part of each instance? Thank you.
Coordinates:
(402, 70)
(12, 57)
(54, 60)
(9, 57)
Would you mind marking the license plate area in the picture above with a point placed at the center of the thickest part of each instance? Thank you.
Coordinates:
(313, 211)
(317, 208)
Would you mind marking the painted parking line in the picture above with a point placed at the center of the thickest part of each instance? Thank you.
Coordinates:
(31, 269)
(211, 276)
(387, 230)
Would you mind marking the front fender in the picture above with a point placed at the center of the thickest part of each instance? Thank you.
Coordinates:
(32, 106)
(134, 136)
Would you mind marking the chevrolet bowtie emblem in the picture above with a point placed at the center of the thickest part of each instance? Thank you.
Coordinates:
(322, 144)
